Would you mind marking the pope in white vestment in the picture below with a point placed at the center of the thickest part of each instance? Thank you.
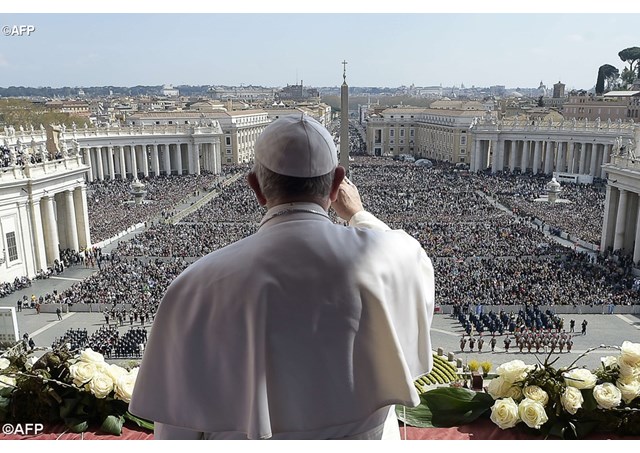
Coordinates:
(305, 330)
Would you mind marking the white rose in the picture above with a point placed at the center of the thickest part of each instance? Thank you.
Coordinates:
(114, 371)
(498, 387)
(124, 386)
(532, 413)
(6, 381)
(4, 363)
(30, 362)
(514, 392)
(134, 371)
(630, 352)
(504, 413)
(513, 371)
(607, 395)
(90, 356)
(627, 369)
(535, 393)
(101, 385)
(580, 378)
(609, 361)
(82, 372)
(571, 400)
(629, 387)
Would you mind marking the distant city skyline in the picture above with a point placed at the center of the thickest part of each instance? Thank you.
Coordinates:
(384, 50)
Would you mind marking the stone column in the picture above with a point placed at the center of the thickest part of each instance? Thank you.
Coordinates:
(179, 158)
(636, 248)
(167, 159)
(559, 157)
(513, 152)
(82, 216)
(112, 167)
(190, 165)
(38, 235)
(87, 161)
(606, 158)
(155, 161)
(501, 148)
(594, 160)
(72, 228)
(473, 165)
(548, 157)
(50, 230)
(583, 158)
(145, 160)
(608, 222)
(196, 157)
(536, 157)
(134, 164)
(524, 161)
(570, 148)
(621, 219)
(123, 164)
(98, 161)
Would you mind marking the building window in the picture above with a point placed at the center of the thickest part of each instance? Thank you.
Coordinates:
(228, 141)
(157, 122)
(12, 246)
(228, 151)
(463, 151)
(401, 132)
(463, 140)
(392, 132)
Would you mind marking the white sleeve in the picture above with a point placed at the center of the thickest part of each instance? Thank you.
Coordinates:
(365, 219)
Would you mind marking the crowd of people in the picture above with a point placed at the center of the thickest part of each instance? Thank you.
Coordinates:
(106, 340)
(483, 254)
(112, 208)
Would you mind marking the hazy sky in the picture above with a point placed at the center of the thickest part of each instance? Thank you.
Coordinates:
(382, 49)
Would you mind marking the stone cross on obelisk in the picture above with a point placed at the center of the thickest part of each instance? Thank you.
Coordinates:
(344, 120)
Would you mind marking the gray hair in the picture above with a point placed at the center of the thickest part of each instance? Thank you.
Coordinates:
(275, 186)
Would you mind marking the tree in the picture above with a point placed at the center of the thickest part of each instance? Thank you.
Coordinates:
(607, 73)
(627, 76)
(600, 82)
(631, 55)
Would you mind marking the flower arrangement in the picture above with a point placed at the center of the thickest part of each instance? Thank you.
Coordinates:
(567, 402)
(80, 391)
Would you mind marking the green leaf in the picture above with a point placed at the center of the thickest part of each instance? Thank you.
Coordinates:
(68, 406)
(112, 425)
(141, 422)
(589, 403)
(447, 406)
(6, 391)
(76, 425)
(4, 408)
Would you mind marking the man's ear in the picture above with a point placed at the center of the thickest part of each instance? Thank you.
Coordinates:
(252, 179)
(338, 177)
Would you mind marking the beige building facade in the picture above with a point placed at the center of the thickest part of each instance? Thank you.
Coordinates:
(440, 132)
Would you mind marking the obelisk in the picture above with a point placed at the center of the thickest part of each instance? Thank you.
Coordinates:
(344, 120)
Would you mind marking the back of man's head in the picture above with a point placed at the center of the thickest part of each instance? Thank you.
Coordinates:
(298, 146)
(295, 156)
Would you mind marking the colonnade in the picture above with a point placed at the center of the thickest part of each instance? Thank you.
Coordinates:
(138, 161)
(59, 221)
(585, 157)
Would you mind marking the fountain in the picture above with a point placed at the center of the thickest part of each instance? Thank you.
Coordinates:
(138, 192)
